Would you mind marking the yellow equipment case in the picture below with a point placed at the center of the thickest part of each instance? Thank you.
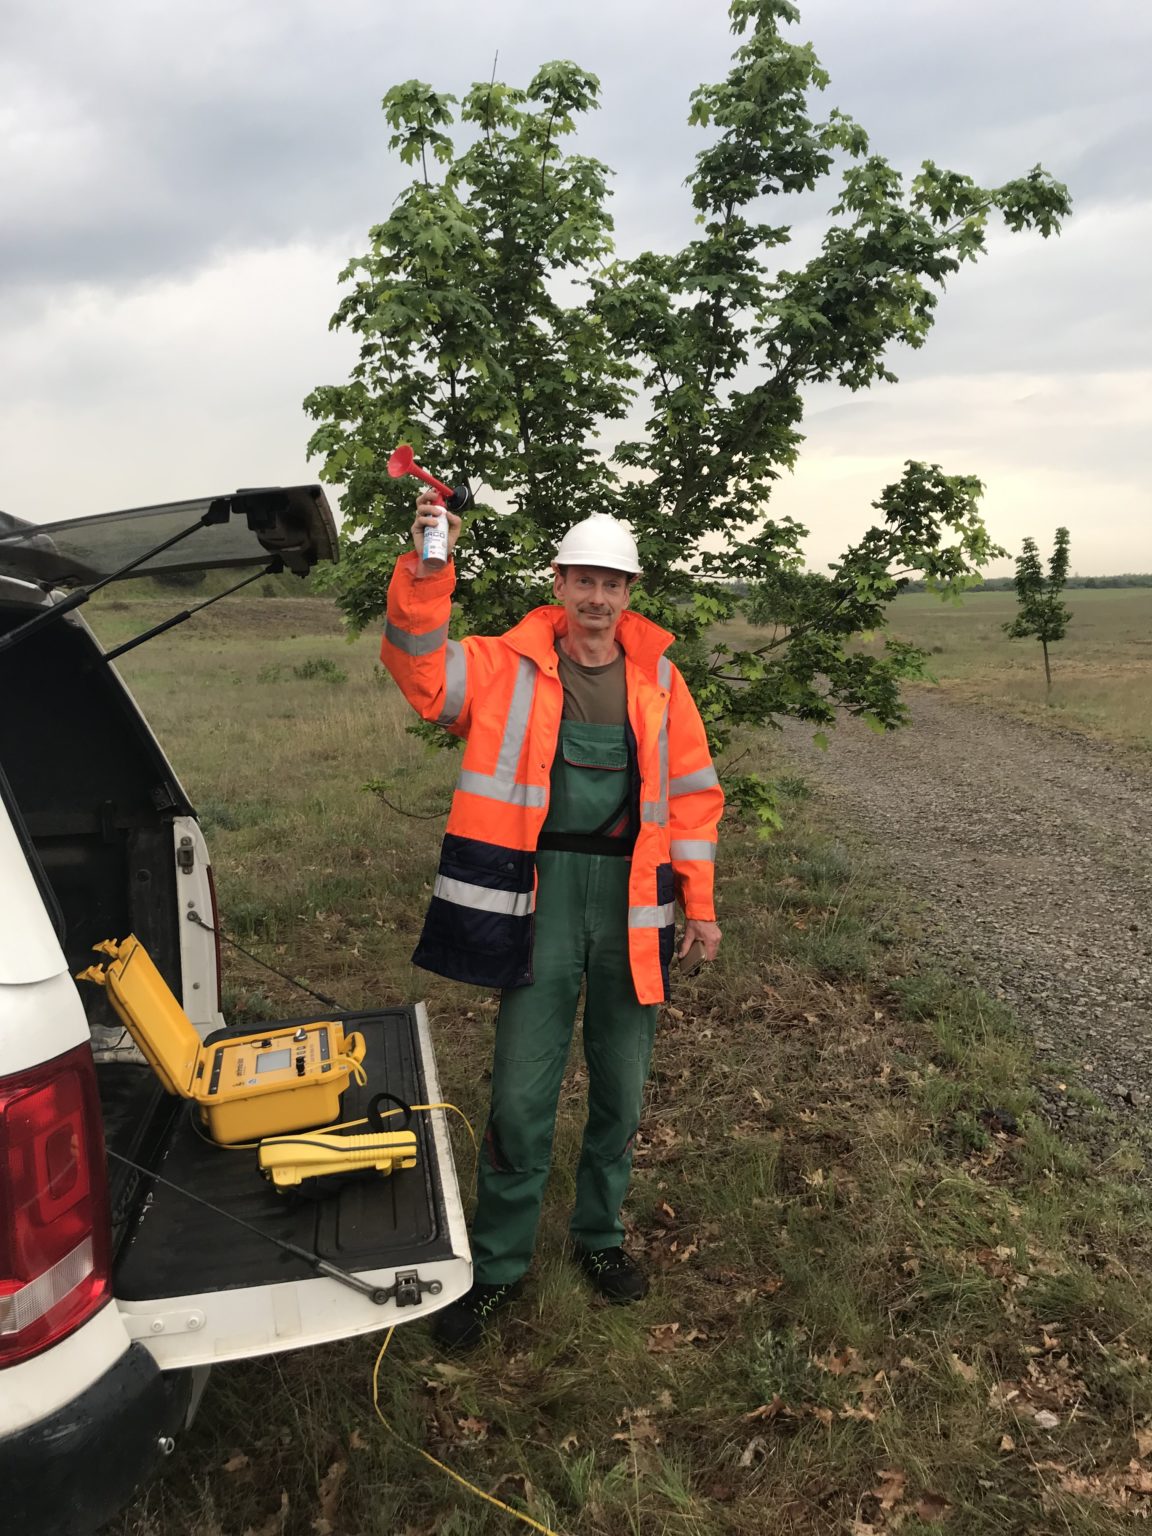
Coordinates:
(248, 1086)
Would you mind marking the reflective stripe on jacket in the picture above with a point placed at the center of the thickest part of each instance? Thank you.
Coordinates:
(503, 695)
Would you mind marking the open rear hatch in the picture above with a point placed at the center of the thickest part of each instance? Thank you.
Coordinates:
(240, 529)
(199, 1287)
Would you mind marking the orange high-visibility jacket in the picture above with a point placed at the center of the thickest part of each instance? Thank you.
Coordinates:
(503, 695)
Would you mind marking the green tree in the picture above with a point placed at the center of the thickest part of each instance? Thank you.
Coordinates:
(1041, 613)
(501, 335)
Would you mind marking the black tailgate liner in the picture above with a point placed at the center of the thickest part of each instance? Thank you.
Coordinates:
(179, 1248)
(137, 1119)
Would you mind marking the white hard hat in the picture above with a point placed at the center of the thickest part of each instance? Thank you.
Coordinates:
(600, 540)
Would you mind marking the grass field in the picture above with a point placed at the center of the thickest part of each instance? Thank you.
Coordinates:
(1102, 671)
(886, 1294)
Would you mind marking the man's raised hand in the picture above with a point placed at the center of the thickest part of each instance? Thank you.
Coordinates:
(428, 509)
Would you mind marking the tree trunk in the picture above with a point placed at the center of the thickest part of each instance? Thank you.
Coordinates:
(1047, 672)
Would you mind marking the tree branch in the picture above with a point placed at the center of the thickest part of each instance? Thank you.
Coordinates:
(547, 146)
(488, 104)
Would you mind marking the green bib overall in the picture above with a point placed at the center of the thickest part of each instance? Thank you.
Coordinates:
(581, 932)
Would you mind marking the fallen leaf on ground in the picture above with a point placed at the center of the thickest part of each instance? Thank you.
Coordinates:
(756, 1450)
(963, 1369)
(638, 1427)
(328, 1495)
(891, 1487)
(236, 1462)
(932, 1506)
(662, 1337)
(275, 1523)
(836, 1364)
(512, 1484)
(448, 1372)
(766, 1410)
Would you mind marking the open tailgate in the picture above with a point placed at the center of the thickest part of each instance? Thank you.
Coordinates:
(196, 1287)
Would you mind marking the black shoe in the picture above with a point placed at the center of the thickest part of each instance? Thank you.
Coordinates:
(461, 1325)
(612, 1273)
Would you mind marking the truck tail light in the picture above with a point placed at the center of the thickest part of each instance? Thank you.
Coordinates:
(55, 1231)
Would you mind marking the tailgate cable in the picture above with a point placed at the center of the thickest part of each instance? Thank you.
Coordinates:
(329, 1002)
(375, 1293)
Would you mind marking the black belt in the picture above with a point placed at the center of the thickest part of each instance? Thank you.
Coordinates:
(585, 842)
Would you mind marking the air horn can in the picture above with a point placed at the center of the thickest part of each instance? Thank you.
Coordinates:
(451, 499)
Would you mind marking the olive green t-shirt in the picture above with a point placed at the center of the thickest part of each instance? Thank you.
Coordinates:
(594, 695)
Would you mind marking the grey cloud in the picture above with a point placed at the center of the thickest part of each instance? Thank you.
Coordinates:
(199, 129)
(156, 152)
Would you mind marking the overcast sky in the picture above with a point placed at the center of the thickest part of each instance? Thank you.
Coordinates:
(180, 184)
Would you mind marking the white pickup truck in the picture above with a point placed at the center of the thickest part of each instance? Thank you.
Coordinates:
(117, 1290)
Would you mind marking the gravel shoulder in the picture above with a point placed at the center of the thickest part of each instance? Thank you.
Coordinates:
(1030, 855)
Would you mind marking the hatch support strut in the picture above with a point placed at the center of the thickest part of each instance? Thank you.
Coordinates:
(273, 568)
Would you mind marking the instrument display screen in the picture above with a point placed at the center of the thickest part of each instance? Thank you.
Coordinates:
(274, 1061)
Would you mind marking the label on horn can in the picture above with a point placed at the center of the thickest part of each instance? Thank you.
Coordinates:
(436, 542)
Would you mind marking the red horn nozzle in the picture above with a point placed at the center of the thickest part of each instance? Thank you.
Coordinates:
(403, 462)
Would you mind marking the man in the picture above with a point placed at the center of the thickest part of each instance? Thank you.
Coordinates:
(587, 804)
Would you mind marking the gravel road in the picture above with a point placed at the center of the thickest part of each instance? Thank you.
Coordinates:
(1031, 853)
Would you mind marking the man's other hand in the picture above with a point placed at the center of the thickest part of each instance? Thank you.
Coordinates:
(707, 933)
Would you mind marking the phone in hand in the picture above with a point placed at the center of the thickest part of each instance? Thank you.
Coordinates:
(693, 960)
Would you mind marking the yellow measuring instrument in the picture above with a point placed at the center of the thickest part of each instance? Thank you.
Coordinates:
(288, 1160)
(288, 1078)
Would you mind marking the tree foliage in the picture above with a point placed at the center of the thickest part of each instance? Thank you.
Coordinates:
(502, 336)
(1040, 612)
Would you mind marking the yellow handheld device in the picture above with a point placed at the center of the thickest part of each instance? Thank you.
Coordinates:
(289, 1160)
(283, 1079)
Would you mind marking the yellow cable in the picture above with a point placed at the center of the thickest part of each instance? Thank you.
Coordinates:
(356, 1068)
(455, 1111)
(341, 1125)
(489, 1498)
(427, 1455)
